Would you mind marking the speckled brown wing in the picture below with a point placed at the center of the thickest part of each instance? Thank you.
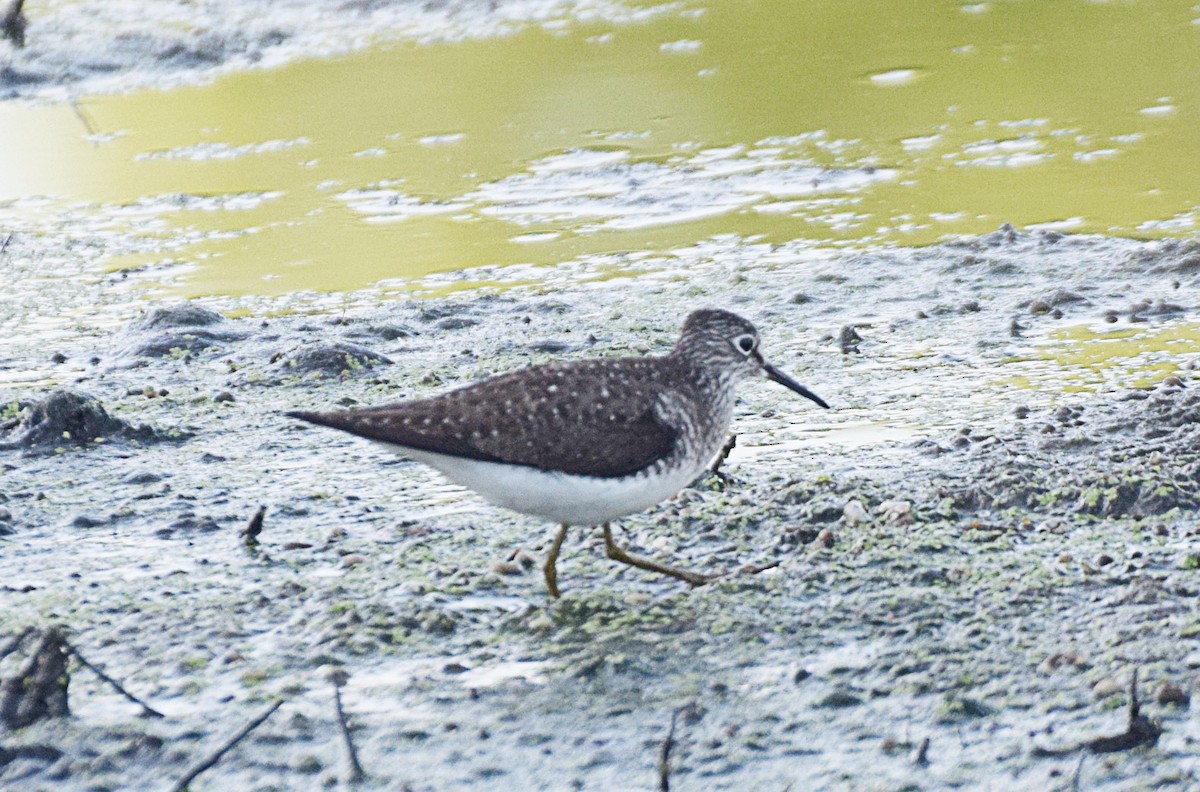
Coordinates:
(590, 418)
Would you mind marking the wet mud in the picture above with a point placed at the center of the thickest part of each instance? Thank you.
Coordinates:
(969, 555)
(55, 52)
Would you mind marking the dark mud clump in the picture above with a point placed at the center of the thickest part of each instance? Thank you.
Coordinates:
(69, 418)
(1171, 256)
(176, 316)
(180, 329)
(39, 690)
(334, 360)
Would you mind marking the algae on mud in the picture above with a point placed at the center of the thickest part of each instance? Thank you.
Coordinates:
(591, 129)
(883, 624)
(963, 587)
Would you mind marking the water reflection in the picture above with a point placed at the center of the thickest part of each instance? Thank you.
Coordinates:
(898, 123)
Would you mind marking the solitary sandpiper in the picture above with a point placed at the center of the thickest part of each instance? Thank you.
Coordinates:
(584, 442)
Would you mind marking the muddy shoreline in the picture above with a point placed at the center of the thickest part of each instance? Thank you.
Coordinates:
(999, 551)
(118, 46)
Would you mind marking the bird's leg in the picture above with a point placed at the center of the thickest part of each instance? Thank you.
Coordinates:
(551, 559)
(715, 467)
(617, 554)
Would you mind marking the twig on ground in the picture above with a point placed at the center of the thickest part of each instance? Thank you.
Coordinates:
(40, 689)
(83, 119)
(1078, 772)
(1139, 730)
(147, 710)
(13, 23)
(15, 643)
(254, 528)
(356, 771)
(922, 757)
(215, 757)
(664, 756)
(4, 245)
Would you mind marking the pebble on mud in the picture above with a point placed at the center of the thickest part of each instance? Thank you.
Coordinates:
(506, 568)
(1172, 694)
(897, 512)
(1108, 687)
(849, 339)
(825, 538)
(854, 512)
(1062, 659)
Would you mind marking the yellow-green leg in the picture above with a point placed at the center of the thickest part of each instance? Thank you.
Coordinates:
(549, 569)
(618, 554)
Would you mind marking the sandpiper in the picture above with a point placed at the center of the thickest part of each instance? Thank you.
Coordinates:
(585, 442)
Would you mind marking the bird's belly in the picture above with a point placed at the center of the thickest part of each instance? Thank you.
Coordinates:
(560, 497)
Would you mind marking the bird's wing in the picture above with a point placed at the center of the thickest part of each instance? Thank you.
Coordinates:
(588, 418)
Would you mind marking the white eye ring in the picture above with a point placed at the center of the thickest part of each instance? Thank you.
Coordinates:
(745, 343)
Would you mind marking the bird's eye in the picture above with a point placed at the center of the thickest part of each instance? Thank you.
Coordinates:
(745, 344)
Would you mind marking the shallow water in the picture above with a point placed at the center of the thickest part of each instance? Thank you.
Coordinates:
(899, 124)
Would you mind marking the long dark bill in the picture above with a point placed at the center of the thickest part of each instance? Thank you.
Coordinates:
(791, 384)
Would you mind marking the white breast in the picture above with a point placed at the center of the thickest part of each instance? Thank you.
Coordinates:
(560, 497)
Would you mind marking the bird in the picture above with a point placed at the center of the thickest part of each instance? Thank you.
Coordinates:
(584, 442)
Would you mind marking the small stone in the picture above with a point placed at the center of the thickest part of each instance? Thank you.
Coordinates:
(1038, 307)
(1107, 687)
(897, 512)
(455, 668)
(309, 765)
(1021, 413)
(849, 339)
(1104, 559)
(338, 675)
(637, 599)
(351, 561)
(1172, 694)
(58, 357)
(223, 396)
(838, 699)
(854, 512)
(825, 538)
(506, 568)
(1061, 660)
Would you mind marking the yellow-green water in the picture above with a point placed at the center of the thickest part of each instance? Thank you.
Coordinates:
(704, 119)
(1087, 358)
